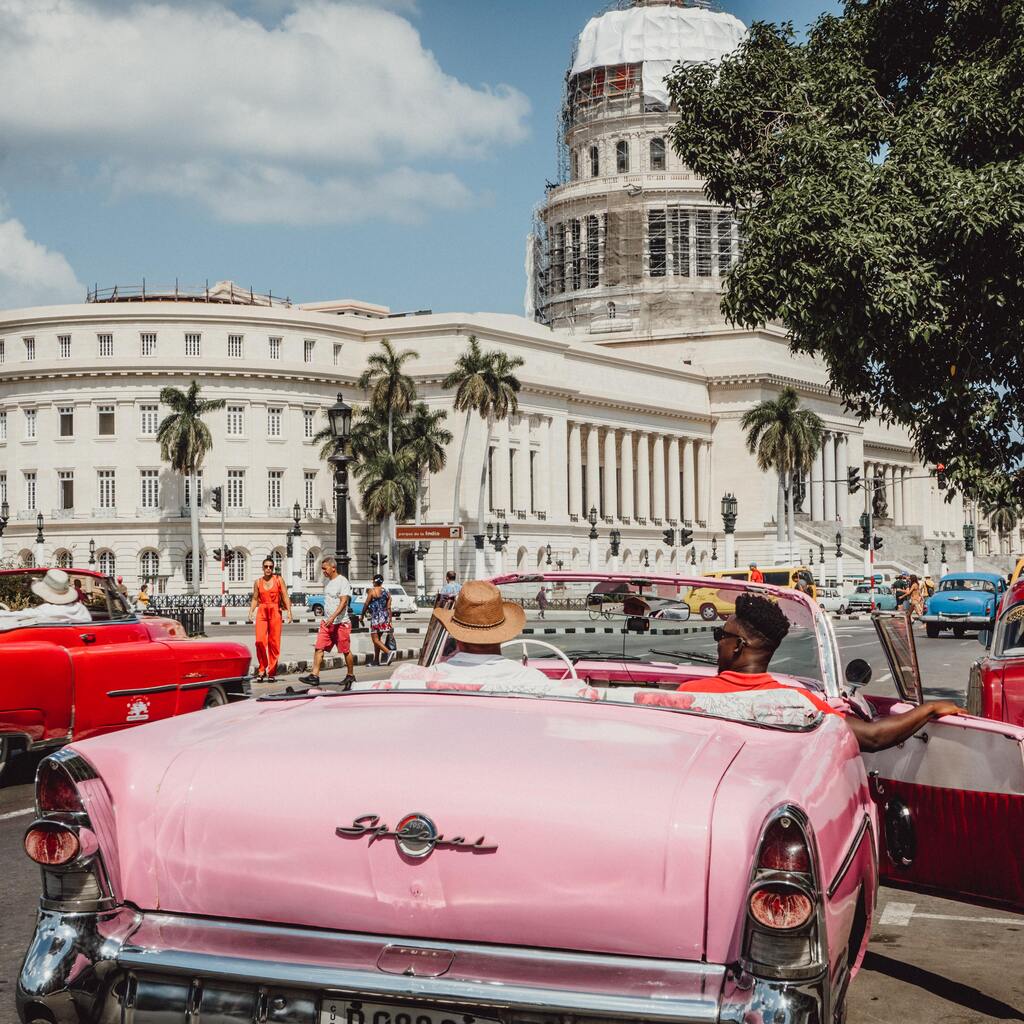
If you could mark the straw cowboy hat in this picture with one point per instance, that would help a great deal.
(55, 588)
(480, 616)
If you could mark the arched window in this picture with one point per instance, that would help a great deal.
(62, 559)
(149, 566)
(657, 154)
(312, 565)
(278, 556)
(238, 566)
(575, 165)
(188, 567)
(106, 562)
(593, 250)
(611, 310)
(27, 559)
(622, 156)
(595, 162)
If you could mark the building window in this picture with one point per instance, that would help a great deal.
(656, 242)
(235, 343)
(105, 425)
(337, 355)
(149, 415)
(30, 348)
(66, 482)
(312, 566)
(67, 420)
(3, 426)
(149, 486)
(657, 154)
(192, 344)
(30, 424)
(577, 256)
(309, 491)
(105, 345)
(622, 156)
(277, 556)
(236, 488)
(30, 490)
(64, 346)
(704, 243)
(105, 488)
(724, 242)
(558, 259)
(236, 420)
(679, 224)
(236, 566)
(595, 162)
(63, 559)
(593, 251)
(275, 348)
(188, 489)
(2, 352)
(3, 488)
(188, 567)
(148, 344)
(307, 350)
(575, 165)
(274, 479)
(149, 566)
(107, 563)
(274, 421)
(308, 425)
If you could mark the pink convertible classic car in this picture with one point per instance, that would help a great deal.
(591, 847)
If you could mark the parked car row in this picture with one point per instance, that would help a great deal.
(402, 603)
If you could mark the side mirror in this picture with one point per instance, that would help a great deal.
(985, 638)
(858, 673)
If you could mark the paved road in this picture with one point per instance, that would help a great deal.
(930, 960)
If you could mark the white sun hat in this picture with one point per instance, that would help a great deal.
(55, 588)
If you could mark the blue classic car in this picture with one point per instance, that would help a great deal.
(865, 598)
(964, 600)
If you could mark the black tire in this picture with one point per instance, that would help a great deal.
(318, 611)
(5, 753)
(958, 632)
(931, 629)
(708, 612)
(215, 697)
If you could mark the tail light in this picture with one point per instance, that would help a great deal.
(51, 844)
(56, 790)
(784, 847)
(778, 907)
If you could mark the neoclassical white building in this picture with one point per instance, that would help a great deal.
(633, 385)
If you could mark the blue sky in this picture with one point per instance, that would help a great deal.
(262, 157)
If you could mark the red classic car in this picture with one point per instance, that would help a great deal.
(92, 665)
(996, 686)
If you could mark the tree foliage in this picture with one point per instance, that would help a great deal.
(877, 170)
(184, 438)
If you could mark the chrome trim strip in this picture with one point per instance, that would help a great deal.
(847, 861)
(142, 689)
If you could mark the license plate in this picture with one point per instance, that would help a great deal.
(355, 1011)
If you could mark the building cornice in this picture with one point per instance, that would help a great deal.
(769, 378)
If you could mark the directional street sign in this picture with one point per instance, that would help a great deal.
(430, 531)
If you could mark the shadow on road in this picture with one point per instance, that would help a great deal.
(952, 991)
(21, 770)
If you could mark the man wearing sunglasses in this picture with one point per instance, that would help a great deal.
(746, 644)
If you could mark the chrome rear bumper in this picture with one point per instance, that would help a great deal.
(123, 967)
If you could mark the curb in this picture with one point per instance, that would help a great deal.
(287, 668)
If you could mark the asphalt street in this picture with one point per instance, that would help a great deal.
(929, 960)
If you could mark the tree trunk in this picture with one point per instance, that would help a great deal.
(792, 519)
(458, 489)
(194, 512)
(483, 478)
(780, 512)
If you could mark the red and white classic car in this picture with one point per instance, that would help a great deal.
(591, 847)
(101, 667)
(996, 685)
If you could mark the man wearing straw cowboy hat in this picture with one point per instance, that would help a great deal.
(479, 623)
(59, 603)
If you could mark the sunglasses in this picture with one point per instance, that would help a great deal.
(720, 633)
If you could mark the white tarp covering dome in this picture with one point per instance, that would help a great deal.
(658, 38)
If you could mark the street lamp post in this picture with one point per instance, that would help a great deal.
(943, 564)
(592, 553)
(714, 553)
(821, 565)
(340, 418)
(92, 551)
(927, 570)
(296, 580)
(693, 557)
(547, 553)
(497, 536)
(5, 515)
(39, 540)
(839, 561)
(730, 511)
(969, 547)
(615, 539)
(647, 559)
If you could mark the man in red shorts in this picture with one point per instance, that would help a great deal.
(335, 628)
(746, 644)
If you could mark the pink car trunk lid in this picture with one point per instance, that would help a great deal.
(585, 827)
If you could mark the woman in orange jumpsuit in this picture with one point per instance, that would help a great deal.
(269, 596)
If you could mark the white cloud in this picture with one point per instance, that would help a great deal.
(338, 100)
(31, 274)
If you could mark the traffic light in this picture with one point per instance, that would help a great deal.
(669, 537)
(228, 555)
(685, 537)
(879, 543)
(865, 532)
(940, 475)
(216, 498)
(853, 480)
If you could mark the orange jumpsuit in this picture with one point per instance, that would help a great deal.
(268, 625)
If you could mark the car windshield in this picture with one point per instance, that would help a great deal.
(633, 640)
(18, 601)
(397, 590)
(1010, 642)
(980, 586)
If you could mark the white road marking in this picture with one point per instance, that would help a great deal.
(17, 814)
(897, 915)
(975, 920)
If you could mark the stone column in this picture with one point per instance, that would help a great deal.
(703, 459)
(897, 496)
(817, 487)
(521, 477)
(575, 469)
(842, 488)
(658, 458)
(592, 499)
(611, 481)
(542, 477)
(689, 481)
(627, 508)
(830, 476)
(643, 478)
(500, 468)
(673, 480)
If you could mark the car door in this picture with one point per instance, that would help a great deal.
(950, 798)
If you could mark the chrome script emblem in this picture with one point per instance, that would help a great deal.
(415, 835)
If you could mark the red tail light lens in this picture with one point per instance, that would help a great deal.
(780, 908)
(785, 848)
(55, 791)
(52, 844)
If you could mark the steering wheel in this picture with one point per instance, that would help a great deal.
(570, 667)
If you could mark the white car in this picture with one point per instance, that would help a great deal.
(832, 599)
(401, 602)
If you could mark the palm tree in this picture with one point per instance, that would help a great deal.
(484, 384)
(784, 438)
(387, 485)
(184, 442)
(425, 441)
(390, 389)
(1003, 517)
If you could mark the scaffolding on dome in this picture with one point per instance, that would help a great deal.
(226, 292)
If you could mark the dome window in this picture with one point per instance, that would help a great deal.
(622, 157)
(595, 162)
(657, 154)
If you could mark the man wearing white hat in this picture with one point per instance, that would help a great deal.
(59, 603)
